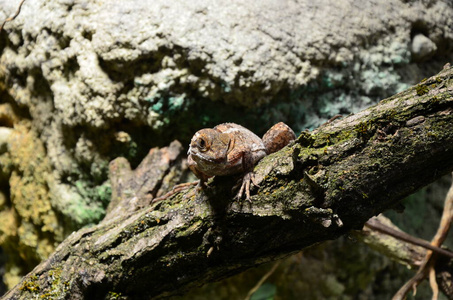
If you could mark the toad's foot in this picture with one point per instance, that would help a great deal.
(245, 186)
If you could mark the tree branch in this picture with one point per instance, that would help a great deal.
(328, 182)
(427, 267)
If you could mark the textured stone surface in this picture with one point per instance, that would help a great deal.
(422, 47)
(98, 79)
(102, 61)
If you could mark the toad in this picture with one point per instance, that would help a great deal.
(229, 149)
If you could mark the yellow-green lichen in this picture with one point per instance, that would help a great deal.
(32, 229)
(31, 285)
(54, 288)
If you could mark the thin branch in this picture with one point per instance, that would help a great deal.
(13, 17)
(262, 280)
(427, 267)
(433, 283)
(375, 224)
(446, 219)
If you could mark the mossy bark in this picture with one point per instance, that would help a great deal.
(326, 183)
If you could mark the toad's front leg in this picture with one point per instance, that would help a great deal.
(248, 178)
(248, 161)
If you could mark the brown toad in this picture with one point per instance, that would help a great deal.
(229, 149)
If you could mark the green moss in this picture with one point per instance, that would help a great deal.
(364, 129)
(421, 89)
(103, 193)
(115, 296)
(88, 205)
(83, 212)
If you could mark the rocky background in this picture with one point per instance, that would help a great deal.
(85, 81)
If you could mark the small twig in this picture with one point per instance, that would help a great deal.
(433, 283)
(333, 119)
(374, 224)
(262, 280)
(13, 17)
(446, 219)
(427, 267)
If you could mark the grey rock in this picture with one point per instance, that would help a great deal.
(105, 60)
(422, 47)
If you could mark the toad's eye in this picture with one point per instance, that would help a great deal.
(202, 144)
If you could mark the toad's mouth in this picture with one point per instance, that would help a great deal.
(197, 156)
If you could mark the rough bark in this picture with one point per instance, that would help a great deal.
(328, 182)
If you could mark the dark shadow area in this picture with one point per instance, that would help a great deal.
(3, 289)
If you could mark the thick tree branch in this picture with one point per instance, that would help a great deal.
(328, 182)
